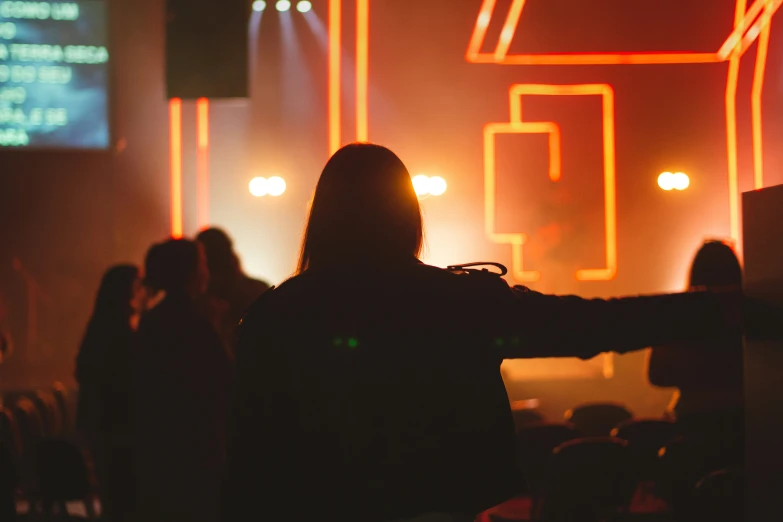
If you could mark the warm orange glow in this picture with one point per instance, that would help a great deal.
(755, 106)
(731, 127)
(362, 67)
(202, 162)
(509, 29)
(516, 125)
(335, 71)
(175, 147)
(743, 27)
(480, 30)
(750, 25)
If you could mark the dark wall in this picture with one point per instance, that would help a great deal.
(68, 215)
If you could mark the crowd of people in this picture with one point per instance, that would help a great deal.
(332, 398)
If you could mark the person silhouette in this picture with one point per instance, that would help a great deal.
(233, 290)
(182, 381)
(105, 411)
(709, 375)
(370, 382)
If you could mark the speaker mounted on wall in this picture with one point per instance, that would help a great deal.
(207, 48)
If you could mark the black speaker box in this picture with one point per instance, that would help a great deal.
(207, 48)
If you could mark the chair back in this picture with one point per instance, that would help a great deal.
(720, 497)
(645, 439)
(9, 431)
(31, 428)
(535, 444)
(60, 394)
(9, 480)
(590, 479)
(61, 472)
(597, 419)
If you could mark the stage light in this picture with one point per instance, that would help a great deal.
(259, 187)
(429, 186)
(276, 186)
(421, 184)
(665, 181)
(259, 5)
(680, 181)
(283, 5)
(304, 6)
(437, 186)
(676, 181)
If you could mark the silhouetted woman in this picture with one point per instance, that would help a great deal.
(228, 284)
(182, 383)
(369, 384)
(105, 406)
(709, 374)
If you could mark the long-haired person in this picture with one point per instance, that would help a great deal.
(708, 374)
(182, 383)
(105, 405)
(369, 384)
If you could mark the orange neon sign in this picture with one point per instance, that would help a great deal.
(517, 125)
(751, 25)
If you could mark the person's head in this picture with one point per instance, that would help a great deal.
(177, 266)
(715, 265)
(118, 292)
(222, 260)
(364, 207)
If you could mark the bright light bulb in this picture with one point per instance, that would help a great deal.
(259, 5)
(304, 6)
(421, 184)
(665, 181)
(259, 187)
(680, 181)
(437, 186)
(283, 5)
(276, 186)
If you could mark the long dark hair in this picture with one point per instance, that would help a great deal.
(115, 293)
(715, 265)
(364, 207)
(171, 265)
(110, 319)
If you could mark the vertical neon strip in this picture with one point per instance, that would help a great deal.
(362, 67)
(175, 150)
(731, 127)
(335, 38)
(202, 161)
(755, 104)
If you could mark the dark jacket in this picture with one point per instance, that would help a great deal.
(182, 383)
(372, 393)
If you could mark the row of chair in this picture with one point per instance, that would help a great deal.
(595, 476)
(43, 463)
(591, 419)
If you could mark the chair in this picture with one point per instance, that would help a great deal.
(62, 476)
(683, 463)
(524, 417)
(535, 444)
(9, 431)
(645, 439)
(720, 497)
(9, 480)
(30, 424)
(591, 479)
(597, 419)
(50, 415)
(60, 394)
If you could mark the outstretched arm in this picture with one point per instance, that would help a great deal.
(553, 326)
